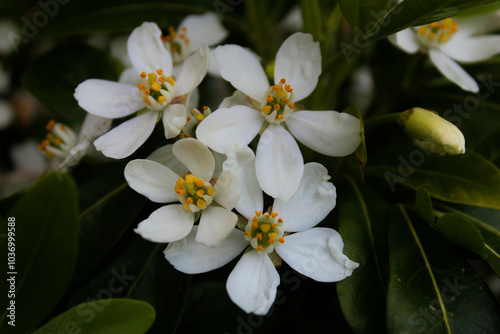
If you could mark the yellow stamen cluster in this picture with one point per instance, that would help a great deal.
(264, 231)
(440, 32)
(194, 118)
(177, 43)
(278, 102)
(59, 141)
(157, 89)
(194, 193)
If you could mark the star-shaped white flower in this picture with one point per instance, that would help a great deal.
(453, 40)
(196, 189)
(65, 147)
(314, 252)
(279, 161)
(155, 95)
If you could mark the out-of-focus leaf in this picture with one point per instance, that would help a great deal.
(138, 269)
(461, 231)
(363, 224)
(361, 154)
(53, 77)
(45, 238)
(466, 179)
(431, 288)
(111, 316)
(360, 12)
(424, 205)
(488, 147)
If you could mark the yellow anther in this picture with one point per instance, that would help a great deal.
(143, 75)
(264, 227)
(146, 91)
(431, 35)
(285, 101)
(199, 182)
(269, 98)
(159, 71)
(162, 99)
(274, 225)
(58, 141)
(186, 206)
(292, 105)
(267, 215)
(266, 109)
(274, 214)
(422, 30)
(260, 248)
(205, 108)
(50, 125)
(259, 236)
(201, 204)
(282, 240)
(49, 154)
(289, 88)
(141, 86)
(62, 127)
(280, 220)
(210, 191)
(188, 118)
(170, 81)
(161, 79)
(280, 117)
(152, 77)
(248, 234)
(255, 219)
(275, 87)
(276, 106)
(182, 135)
(255, 225)
(184, 29)
(200, 193)
(258, 213)
(434, 25)
(444, 38)
(156, 86)
(189, 178)
(146, 100)
(283, 80)
(193, 111)
(186, 40)
(272, 235)
(200, 117)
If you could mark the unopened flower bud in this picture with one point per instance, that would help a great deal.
(430, 131)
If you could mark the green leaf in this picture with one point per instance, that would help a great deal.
(487, 221)
(137, 269)
(424, 205)
(360, 12)
(111, 316)
(46, 239)
(415, 13)
(53, 77)
(432, 289)
(448, 178)
(461, 231)
(361, 154)
(488, 146)
(363, 226)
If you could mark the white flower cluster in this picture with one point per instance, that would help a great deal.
(214, 183)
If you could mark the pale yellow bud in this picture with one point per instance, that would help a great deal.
(430, 131)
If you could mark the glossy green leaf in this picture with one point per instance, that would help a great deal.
(360, 12)
(46, 243)
(361, 154)
(111, 316)
(363, 226)
(466, 179)
(487, 221)
(137, 269)
(53, 77)
(431, 288)
(415, 13)
(424, 205)
(461, 231)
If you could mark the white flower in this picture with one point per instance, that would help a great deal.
(197, 191)
(10, 33)
(155, 94)
(451, 40)
(279, 160)
(6, 114)
(65, 147)
(314, 252)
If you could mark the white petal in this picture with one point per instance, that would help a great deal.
(127, 137)
(477, 24)
(204, 29)
(454, 72)
(317, 253)
(226, 128)
(311, 203)
(327, 132)
(93, 126)
(472, 49)
(279, 164)
(168, 223)
(193, 70)
(164, 156)
(299, 61)
(196, 157)
(118, 49)
(253, 282)
(241, 161)
(130, 77)
(242, 69)
(216, 224)
(193, 100)
(152, 179)
(107, 98)
(6, 114)
(146, 50)
(238, 98)
(227, 190)
(213, 66)
(219, 160)
(192, 257)
(406, 40)
(174, 119)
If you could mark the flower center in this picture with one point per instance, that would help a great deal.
(177, 43)
(193, 120)
(157, 90)
(278, 103)
(438, 32)
(264, 231)
(194, 193)
(59, 141)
